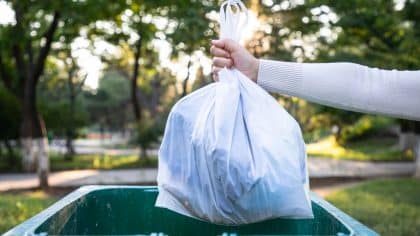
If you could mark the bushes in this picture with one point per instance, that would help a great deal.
(148, 132)
(364, 126)
(373, 149)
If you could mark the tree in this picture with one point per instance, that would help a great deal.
(108, 105)
(148, 132)
(10, 114)
(193, 32)
(154, 95)
(38, 25)
(140, 31)
(74, 84)
(21, 75)
(378, 33)
(374, 33)
(385, 35)
(182, 23)
(62, 83)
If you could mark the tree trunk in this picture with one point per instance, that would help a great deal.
(185, 82)
(33, 134)
(406, 140)
(134, 96)
(143, 153)
(36, 157)
(29, 70)
(70, 126)
(43, 162)
(156, 95)
(11, 158)
(28, 157)
(30, 127)
(417, 157)
(409, 139)
(417, 149)
(70, 148)
(407, 136)
(102, 132)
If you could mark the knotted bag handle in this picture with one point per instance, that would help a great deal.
(233, 18)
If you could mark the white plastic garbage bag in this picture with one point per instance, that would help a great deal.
(230, 153)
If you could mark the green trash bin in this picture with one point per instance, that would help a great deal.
(129, 210)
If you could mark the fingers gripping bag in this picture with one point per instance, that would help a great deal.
(230, 153)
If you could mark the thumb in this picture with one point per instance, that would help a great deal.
(227, 44)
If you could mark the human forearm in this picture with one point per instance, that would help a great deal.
(346, 85)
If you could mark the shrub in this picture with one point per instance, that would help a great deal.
(363, 127)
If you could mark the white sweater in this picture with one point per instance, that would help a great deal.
(346, 85)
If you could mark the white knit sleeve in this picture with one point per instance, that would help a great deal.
(346, 85)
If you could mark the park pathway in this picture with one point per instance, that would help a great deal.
(318, 168)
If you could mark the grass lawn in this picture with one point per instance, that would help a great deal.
(373, 149)
(391, 207)
(16, 208)
(87, 161)
(99, 161)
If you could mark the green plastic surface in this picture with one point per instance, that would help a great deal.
(129, 210)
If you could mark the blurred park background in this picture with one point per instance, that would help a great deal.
(86, 86)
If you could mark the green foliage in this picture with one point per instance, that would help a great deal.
(193, 28)
(391, 207)
(6, 165)
(316, 135)
(363, 127)
(372, 149)
(338, 117)
(108, 104)
(10, 115)
(100, 161)
(148, 132)
(87, 161)
(55, 106)
(57, 117)
(16, 208)
(201, 80)
(377, 34)
(33, 20)
(113, 90)
(372, 33)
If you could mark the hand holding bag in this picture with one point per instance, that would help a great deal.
(230, 153)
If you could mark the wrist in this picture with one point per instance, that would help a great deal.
(281, 77)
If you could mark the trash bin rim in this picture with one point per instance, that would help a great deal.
(29, 226)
